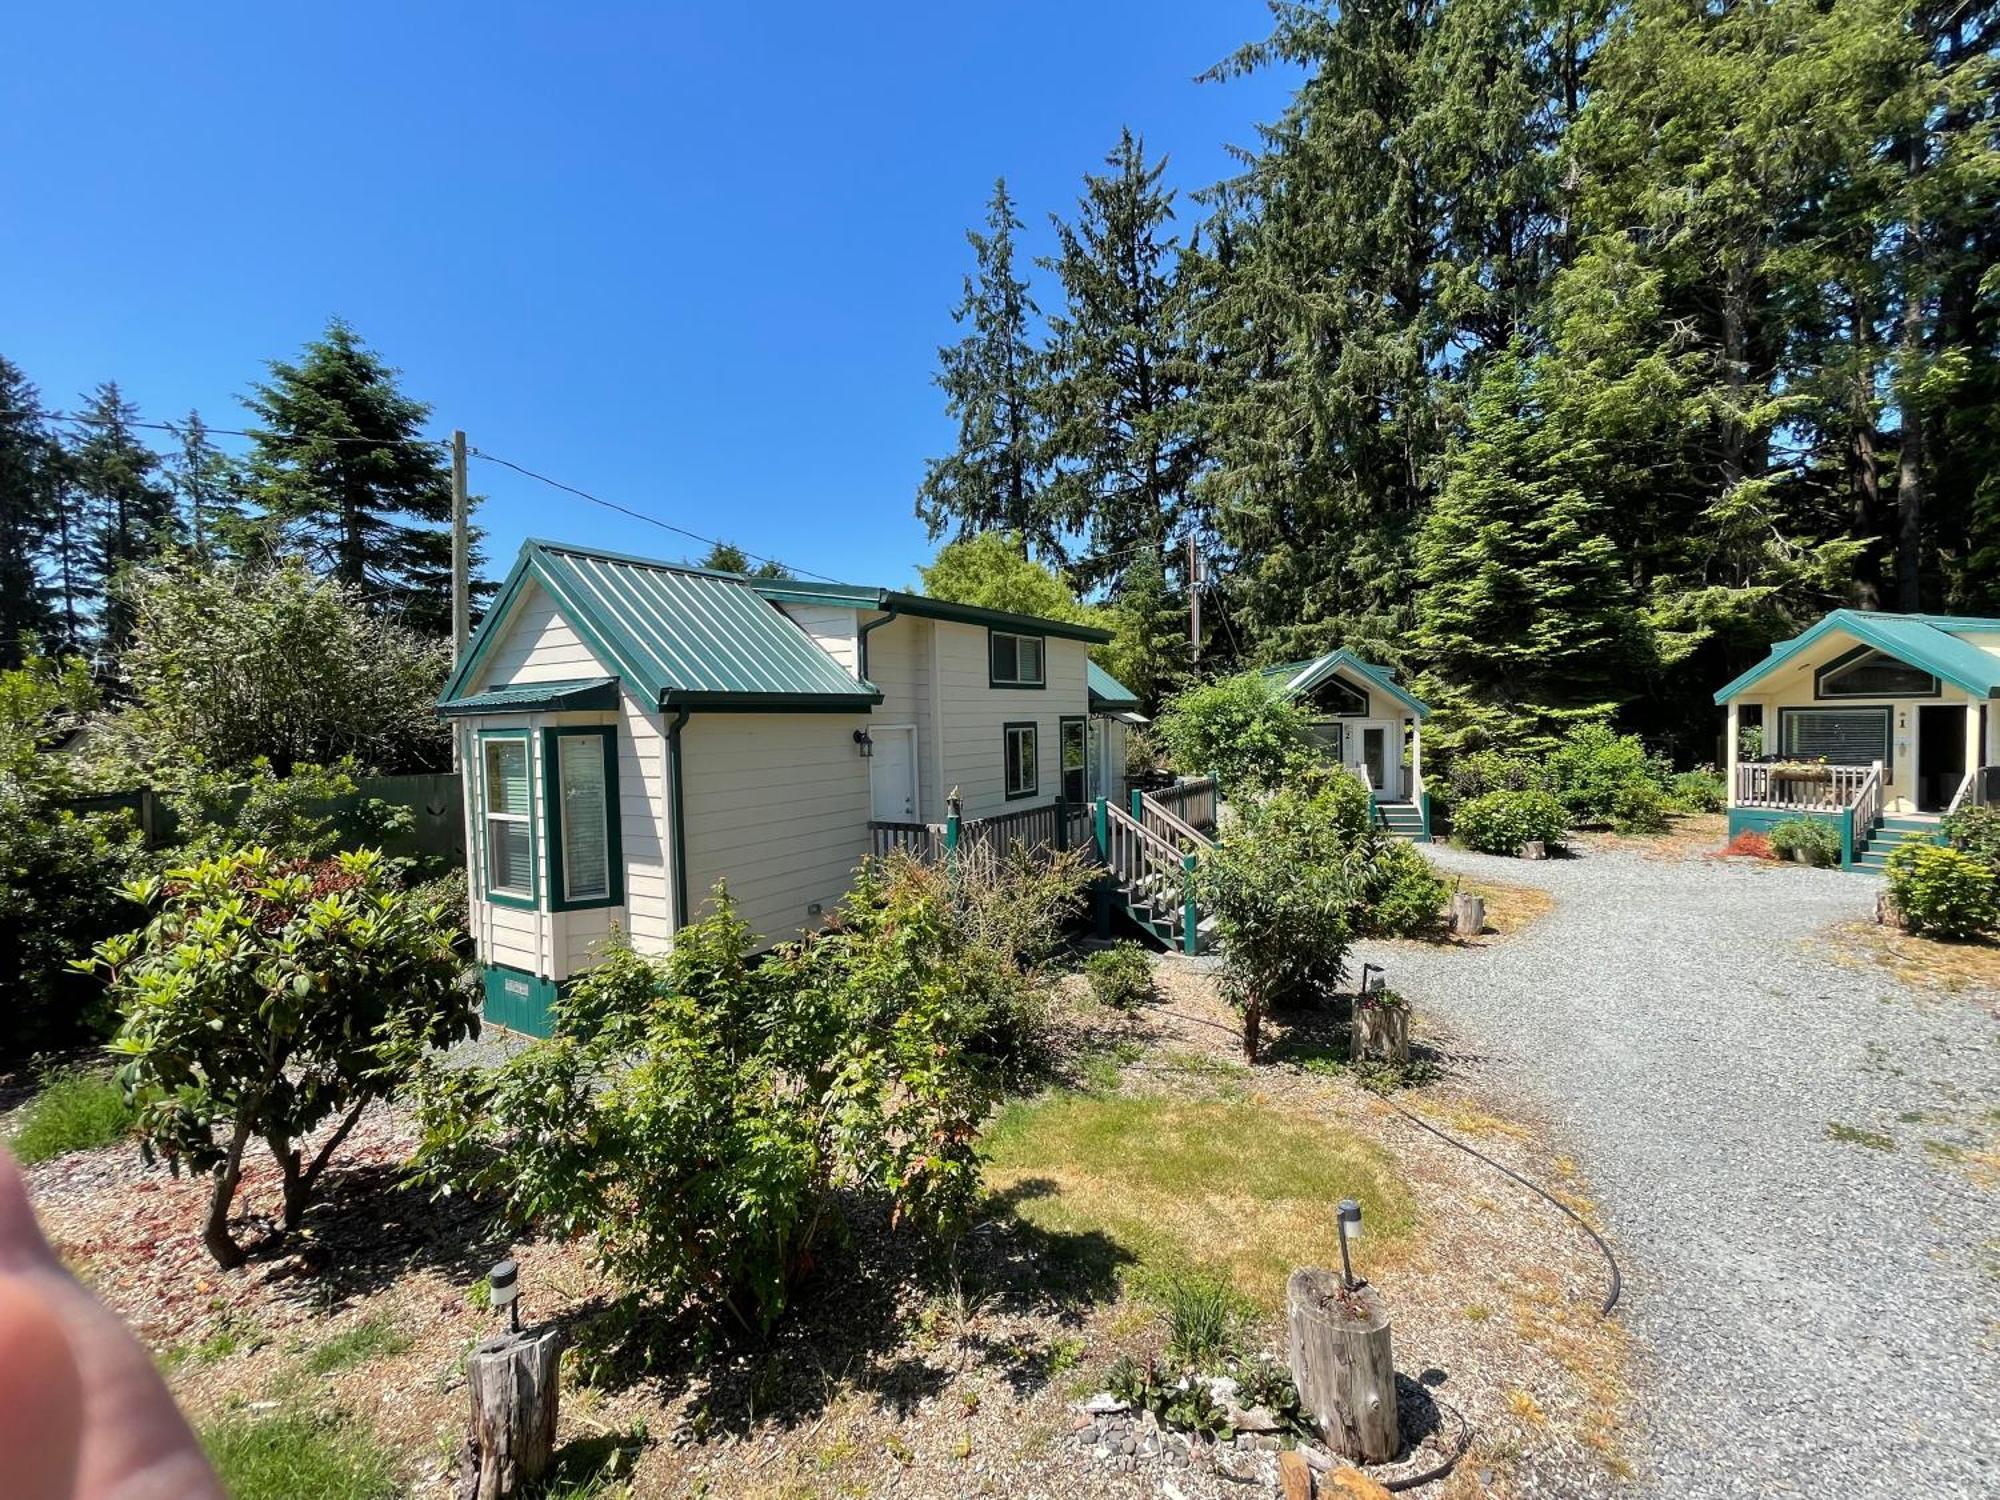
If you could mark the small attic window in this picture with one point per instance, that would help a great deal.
(1872, 674)
(1340, 698)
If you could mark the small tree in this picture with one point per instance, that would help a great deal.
(1237, 728)
(267, 997)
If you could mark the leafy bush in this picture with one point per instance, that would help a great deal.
(1639, 807)
(1501, 822)
(74, 1109)
(1019, 905)
(1698, 792)
(1121, 976)
(1204, 1319)
(1976, 830)
(696, 1116)
(1818, 841)
(1238, 729)
(1475, 773)
(267, 996)
(289, 813)
(1945, 892)
(1593, 764)
(1402, 893)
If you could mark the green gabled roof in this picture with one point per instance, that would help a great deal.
(859, 596)
(679, 637)
(539, 697)
(1296, 677)
(1107, 691)
(1930, 643)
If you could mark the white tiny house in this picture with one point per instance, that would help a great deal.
(634, 732)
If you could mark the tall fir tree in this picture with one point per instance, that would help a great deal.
(1124, 425)
(209, 484)
(727, 557)
(29, 474)
(339, 461)
(121, 502)
(994, 480)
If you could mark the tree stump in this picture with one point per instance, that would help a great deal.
(514, 1384)
(1534, 849)
(1381, 1031)
(1342, 1364)
(1468, 914)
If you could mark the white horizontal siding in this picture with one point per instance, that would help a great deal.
(776, 805)
(832, 629)
(899, 663)
(538, 645)
(975, 713)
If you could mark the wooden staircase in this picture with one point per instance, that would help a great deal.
(1150, 857)
(1890, 834)
(1404, 820)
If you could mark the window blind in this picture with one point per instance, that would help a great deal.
(585, 818)
(1842, 737)
(510, 839)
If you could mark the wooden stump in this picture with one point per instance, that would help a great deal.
(1468, 914)
(1342, 1364)
(1534, 849)
(1381, 1031)
(514, 1383)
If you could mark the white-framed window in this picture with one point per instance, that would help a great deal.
(507, 802)
(1015, 659)
(1839, 736)
(1873, 674)
(1022, 754)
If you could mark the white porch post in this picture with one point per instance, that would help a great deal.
(1416, 758)
(1730, 739)
(1973, 758)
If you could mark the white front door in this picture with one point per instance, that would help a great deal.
(1374, 749)
(892, 774)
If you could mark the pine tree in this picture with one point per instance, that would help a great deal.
(1150, 654)
(120, 502)
(338, 460)
(28, 478)
(209, 485)
(1525, 618)
(727, 557)
(994, 479)
(1124, 429)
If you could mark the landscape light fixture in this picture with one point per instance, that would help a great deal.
(1350, 1229)
(864, 743)
(505, 1284)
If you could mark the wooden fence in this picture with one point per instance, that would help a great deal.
(980, 844)
(1193, 801)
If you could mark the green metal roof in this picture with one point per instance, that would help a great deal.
(1931, 643)
(1296, 677)
(858, 596)
(679, 637)
(1107, 691)
(539, 697)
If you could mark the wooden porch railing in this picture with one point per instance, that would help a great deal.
(1153, 871)
(1808, 788)
(1959, 797)
(1868, 804)
(1164, 823)
(980, 843)
(923, 841)
(1193, 801)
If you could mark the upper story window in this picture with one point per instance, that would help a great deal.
(1870, 674)
(508, 811)
(1015, 660)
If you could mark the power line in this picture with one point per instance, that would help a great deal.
(180, 429)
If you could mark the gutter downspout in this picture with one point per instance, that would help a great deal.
(676, 823)
(861, 640)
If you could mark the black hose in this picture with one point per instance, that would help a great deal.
(1432, 1475)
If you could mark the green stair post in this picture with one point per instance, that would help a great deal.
(1190, 915)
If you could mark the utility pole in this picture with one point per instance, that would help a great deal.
(461, 584)
(1194, 601)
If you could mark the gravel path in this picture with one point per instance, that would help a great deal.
(1823, 1314)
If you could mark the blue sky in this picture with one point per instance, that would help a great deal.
(696, 259)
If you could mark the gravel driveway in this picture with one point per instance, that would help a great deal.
(1823, 1314)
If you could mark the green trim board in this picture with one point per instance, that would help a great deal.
(856, 596)
(1297, 677)
(532, 900)
(1847, 660)
(1081, 724)
(1764, 819)
(606, 736)
(676, 816)
(994, 636)
(1930, 642)
(518, 1000)
(1033, 762)
(580, 695)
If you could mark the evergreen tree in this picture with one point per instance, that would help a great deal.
(1150, 654)
(120, 502)
(1124, 433)
(727, 557)
(1525, 617)
(28, 478)
(994, 479)
(209, 485)
(338, 460)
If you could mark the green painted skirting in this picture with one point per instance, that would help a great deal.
(1764, 819)
(517, 1000)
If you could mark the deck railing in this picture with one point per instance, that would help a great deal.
(1164, 822)
(1806, 788)
(923, 841)
(1868, 804)
(1153, 870)
(1963, 795)
(979, 844)
(1193, 801)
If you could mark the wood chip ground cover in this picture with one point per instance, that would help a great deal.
(895, 1379)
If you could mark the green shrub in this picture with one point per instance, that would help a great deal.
(1698, 792)
(1976, 830)
(1501, 822)
(1816, 839)
(1402, 894)
(1238, 729)
(1475, 773)
(1022, 902)
(1205, 1317)
(1639, 807)
(75, 1109)
(267, 997)
(698, 1118)
(1121, 976)
(1593, 764)
(1941, 891)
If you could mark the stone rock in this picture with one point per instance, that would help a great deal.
(1105, 1404)
(1253, 1419)
(1348, 1483)
(1222, 1388)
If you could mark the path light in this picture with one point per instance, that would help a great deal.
(505, 1284)
(1350, 1229)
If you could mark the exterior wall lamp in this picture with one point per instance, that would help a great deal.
(863, 743)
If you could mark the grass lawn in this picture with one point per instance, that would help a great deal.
(76, 1109)
(288, 1455)
(1226, 1186)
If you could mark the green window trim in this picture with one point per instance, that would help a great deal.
(1788, 716)
(530, 900)
(994, 636)
(1081, 724)
(1031, 758)
(606, 737)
